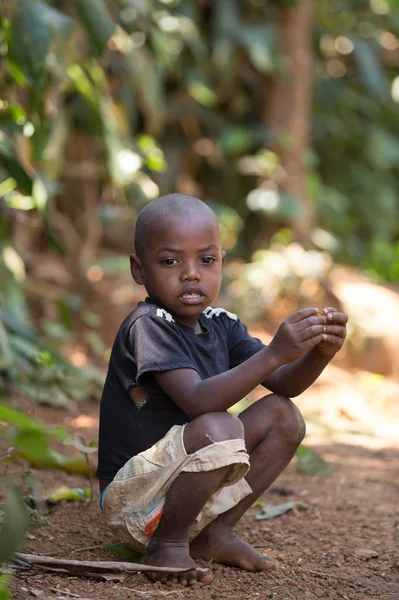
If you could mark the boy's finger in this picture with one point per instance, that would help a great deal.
(337, 317)
(334, 340)
(299, 315)
(309, 322)
(311, 342)
(311, 332)
(329, 309)
(336, 330)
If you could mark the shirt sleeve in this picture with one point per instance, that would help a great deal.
(241, 344)
(156, 346)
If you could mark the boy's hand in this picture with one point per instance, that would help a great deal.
(335, 334)
(299, 333)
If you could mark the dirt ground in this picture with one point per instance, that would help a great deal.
(344, 546)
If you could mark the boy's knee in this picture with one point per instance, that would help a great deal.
(211, 427)
(289, 420)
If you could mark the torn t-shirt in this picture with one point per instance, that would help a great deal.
(150, 340)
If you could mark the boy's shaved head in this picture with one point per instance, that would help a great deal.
(164, 210)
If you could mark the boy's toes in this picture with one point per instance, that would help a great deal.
(191, 577)
(172, 578)
(156, 576)
(182, 578)
(270, 563)
(206, 577)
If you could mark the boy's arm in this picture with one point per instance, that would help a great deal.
(292, 379)
(196, 396)
(295, 336)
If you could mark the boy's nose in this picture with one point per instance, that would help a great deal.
(191, 272)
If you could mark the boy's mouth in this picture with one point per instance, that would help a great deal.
(192, 295)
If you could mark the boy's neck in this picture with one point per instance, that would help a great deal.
(192, 322)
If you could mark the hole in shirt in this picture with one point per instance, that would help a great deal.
(139, 396)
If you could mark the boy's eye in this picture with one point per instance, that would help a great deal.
(207, 260)
(169, 262)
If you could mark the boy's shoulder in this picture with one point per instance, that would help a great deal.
(146, 310)
(213, 313)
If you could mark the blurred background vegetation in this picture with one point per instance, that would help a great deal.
(283, 115)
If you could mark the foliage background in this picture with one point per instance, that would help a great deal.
(283, 115)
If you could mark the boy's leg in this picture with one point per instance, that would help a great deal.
(186, 497)
(274, 428)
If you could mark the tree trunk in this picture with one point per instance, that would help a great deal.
(288, 106)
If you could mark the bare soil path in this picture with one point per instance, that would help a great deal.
(345, 546)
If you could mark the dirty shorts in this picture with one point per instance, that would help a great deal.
(133, 502)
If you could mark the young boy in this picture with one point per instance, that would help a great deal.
(173, 463)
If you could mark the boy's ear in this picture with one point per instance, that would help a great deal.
(136, 269)
(223, 257)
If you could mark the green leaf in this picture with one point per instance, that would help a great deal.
(383, 148)
(4, 591)
(30, 350)
(370, 68)
(6, 354)
(123, 551)
(54, 460)
(260, 42)
(15, 523)
(63, 492)
(56, 20)
(17, 325)
(97, 21)
(236, 139)
(13, 167)
(30, 39)
(34, 442)
(18, 418)
(12, 118)
(310, 463)
(147, 83)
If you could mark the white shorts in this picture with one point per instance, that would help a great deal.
(133, 502)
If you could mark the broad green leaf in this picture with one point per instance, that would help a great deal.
(13, 167)
(26, 426)
(147, 84)
(26, 347)
(383, 148)
(63, 492)
(18, 419)
(237, 139)
(4, 591)
(54, 460)
(17, 326)
(97, 21)
(12, 118)
(30, 39)
(15, 523)
(260, 42)
(370, 67)
(310, 463)
(6, 354)
(123, 551)
(34, 442)
(14, 303)
(202, 93)
(53, 156)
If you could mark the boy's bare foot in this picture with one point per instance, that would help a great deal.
(220, 543)
(173, 553)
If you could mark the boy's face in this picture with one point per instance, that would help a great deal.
(182, 266)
